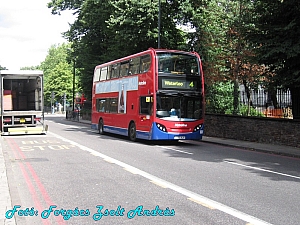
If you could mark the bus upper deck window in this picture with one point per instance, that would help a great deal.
(108, 76)
(124, 69)
(134, 66)
(115, 71)
(145, 63)
(97, 75)
(103, 73)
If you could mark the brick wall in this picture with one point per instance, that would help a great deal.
(263, 130)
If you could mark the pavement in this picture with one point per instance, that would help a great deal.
(5, 199)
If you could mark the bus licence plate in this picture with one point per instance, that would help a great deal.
(179, 137)
(22, 120)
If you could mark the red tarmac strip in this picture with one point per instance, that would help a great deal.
(45, 196)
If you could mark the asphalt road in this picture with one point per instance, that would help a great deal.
(92, 179)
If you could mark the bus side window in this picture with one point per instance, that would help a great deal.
(97, 75)
(101, 105)
(108, 76)
(134, 67)
(103, 73)
(113, 105)
(124, 69)
(146, 105)
(145, 63)
(115, 70)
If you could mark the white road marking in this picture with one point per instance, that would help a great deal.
(201, 203)
(176, 150)
(189, 194)
(93, 131)
(65, 125)
(260, 169)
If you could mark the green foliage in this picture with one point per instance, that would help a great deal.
(58, 74)
(252, 112)
(30, 68)
(211, 20)
(90, 38)
(135, 23)
(219, 98)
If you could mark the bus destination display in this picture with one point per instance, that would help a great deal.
(177, 84)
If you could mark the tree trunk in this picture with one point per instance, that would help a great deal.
(295, 92)
(272, 98)
(235, 97)
(249, 102)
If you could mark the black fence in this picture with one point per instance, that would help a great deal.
(277, 104)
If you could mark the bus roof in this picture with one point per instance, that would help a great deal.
(143, 53)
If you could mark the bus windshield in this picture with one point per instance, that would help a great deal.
(177, 63)
(178, 107)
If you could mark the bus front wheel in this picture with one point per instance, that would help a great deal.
(132, 132)
(101, 125)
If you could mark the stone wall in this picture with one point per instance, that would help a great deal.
(263, 130)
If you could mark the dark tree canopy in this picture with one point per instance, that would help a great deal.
(276, 34)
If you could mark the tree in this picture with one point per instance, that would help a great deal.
(2, 68)
(106, 30)
(219, 38)
(30, 68)
(276, 37)
(135, 23)
(58, 75)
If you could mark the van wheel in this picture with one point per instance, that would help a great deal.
(100, 126)
(132, 132)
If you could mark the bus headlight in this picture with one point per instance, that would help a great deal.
(197, 128)
(161, 127)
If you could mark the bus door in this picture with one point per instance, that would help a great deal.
(144, 122)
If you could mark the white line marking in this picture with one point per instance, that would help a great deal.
(268, 171)
(158, 184)
(176, 150)
(131, 171)
(94, 131)
(226, 209)
(201, 203)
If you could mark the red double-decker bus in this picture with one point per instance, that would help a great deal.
(157, 94)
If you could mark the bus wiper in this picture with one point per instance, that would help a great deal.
(168, 93)
(192, 94)
(180, 94)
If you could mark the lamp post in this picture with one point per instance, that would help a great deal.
(73, 101)
(159, 18)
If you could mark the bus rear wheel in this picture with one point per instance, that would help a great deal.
(132, 132)
(100, 127)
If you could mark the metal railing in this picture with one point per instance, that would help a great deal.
(220, 99)
(275, 105)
